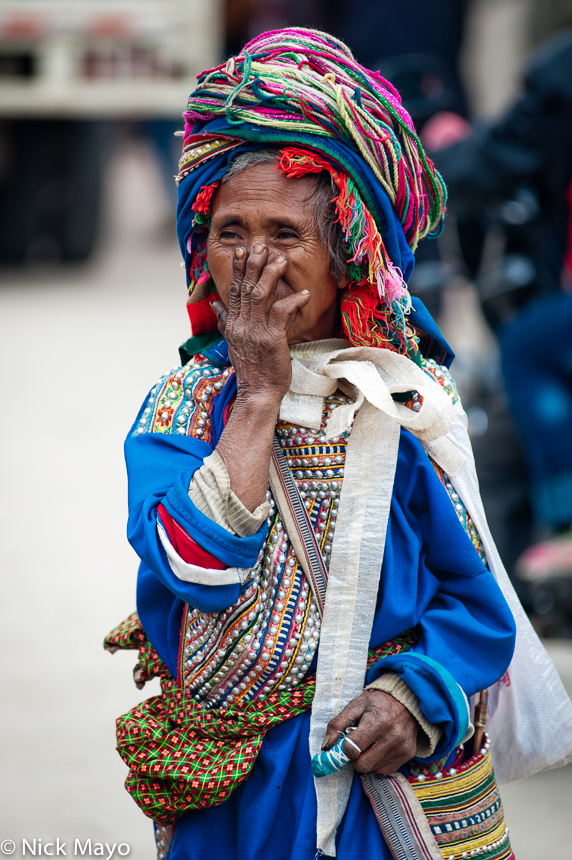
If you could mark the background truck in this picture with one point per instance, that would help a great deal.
(68, 70)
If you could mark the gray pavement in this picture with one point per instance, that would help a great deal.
(78, 351)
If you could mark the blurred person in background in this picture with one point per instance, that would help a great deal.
(303, 192)
(547, 17)
(514, 178)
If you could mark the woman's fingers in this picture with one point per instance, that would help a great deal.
(221, 315)
(386, 753)
(254, 267)
(284, 309)
(382, 761)
(350, 716)
(258, 299)
(386, 732)
(252, 296)
(239, 262)
(254, 281)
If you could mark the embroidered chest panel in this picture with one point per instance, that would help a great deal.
(268, 639)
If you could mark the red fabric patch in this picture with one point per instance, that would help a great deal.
(185, 546)
(201, 315)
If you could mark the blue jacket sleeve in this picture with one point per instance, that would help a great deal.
(160, 466)
(434, 580)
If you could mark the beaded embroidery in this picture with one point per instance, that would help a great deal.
(442, 375)
(182, 401)
(199, 148)
(183, 756)
(464, 809)
(462, 513)
(267, 640)
(163, 837)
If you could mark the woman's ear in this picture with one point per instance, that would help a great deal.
(343, 282)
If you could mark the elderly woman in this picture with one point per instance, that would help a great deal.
(312, 590)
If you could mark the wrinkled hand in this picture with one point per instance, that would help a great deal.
(255, 324)
(386, 733)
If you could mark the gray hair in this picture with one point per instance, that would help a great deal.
(329, 229)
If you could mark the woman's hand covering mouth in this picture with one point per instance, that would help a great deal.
(255, 324)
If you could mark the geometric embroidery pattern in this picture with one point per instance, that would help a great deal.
(182, 401)
(464, 810)
(268, 639)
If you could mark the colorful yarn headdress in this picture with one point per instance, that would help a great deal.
(303, 92)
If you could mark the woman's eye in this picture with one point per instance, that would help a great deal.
(287, 234)
(228, 234)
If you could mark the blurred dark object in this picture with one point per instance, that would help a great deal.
(536, 352)
(546, 568)
(547, 17)
(501, 467)
(515, 173)
(425, 73)
(381, 29)
(429, 277)
(551, 608)
(167, 147)
(245, 19)
(18, 64)
(509, 186)
(238, 15)
(50, 189)
(425, 83)
(428, 89)
(507, 280)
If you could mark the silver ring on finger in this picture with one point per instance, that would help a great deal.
(353, 743)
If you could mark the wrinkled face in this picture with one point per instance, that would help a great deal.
(261, 205)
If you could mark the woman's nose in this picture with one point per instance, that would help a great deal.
(259, 239)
